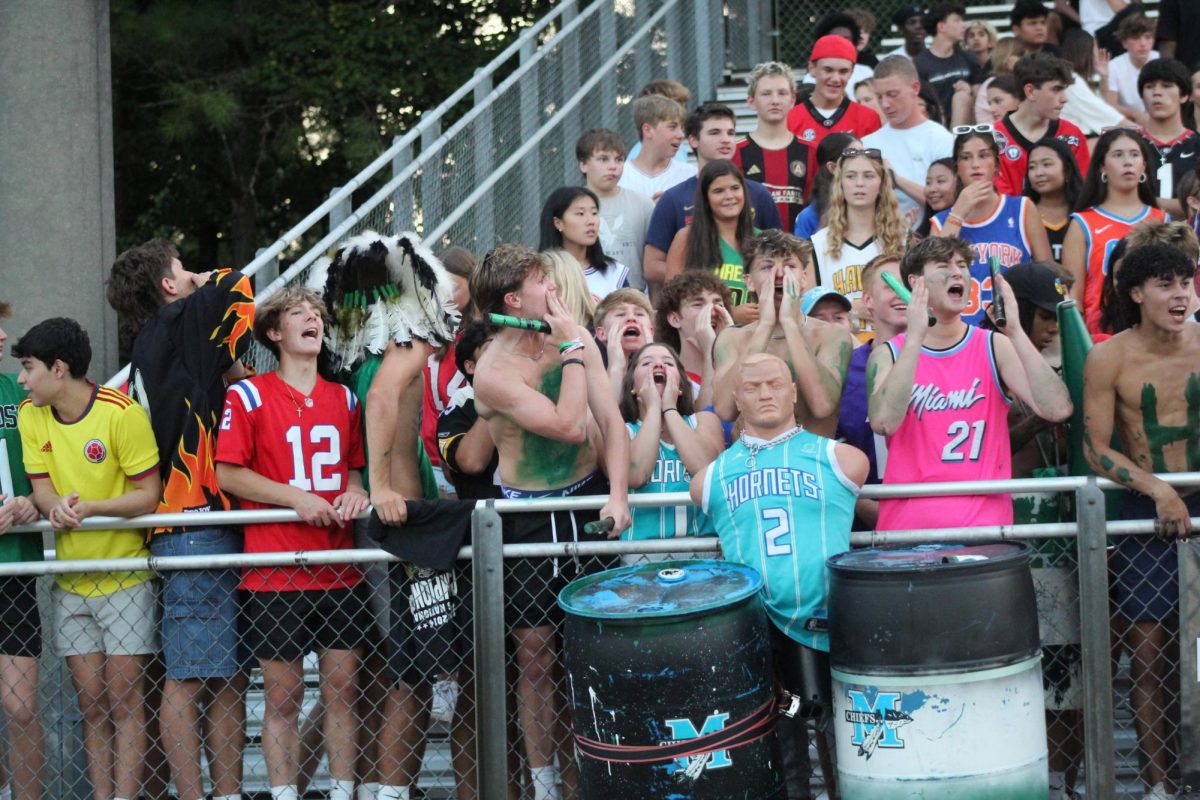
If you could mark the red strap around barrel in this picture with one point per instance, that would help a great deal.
(759, 723)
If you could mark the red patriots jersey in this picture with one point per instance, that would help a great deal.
(1014, 152)
(811, 126)
(311, 443)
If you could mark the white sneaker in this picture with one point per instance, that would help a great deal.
(1158, 792)
(445, 698)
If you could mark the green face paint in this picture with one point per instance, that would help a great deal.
(1158, 436)
(544, 460)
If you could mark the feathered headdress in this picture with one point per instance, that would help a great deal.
(382, 290)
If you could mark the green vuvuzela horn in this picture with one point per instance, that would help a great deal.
(507, 321)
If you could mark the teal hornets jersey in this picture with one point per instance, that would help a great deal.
(669, 475)
(783, 512)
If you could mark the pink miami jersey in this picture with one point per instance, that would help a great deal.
(955, 429)
(1001, 234)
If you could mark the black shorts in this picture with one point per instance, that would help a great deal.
(431, 634)
(284, 626)
(20, 622)
(531, 585)
(804, 671)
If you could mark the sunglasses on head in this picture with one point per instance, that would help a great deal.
(869, 152)
(960, 130)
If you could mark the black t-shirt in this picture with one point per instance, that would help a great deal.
(458, 418)
(179, 361)
(943, 73)
(1175, 19)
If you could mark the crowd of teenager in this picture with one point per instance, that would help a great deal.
(767, 321)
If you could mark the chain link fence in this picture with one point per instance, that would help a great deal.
(481, 705)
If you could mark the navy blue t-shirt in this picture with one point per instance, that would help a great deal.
(675, 208)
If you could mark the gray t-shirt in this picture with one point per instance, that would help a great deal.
(624, 219)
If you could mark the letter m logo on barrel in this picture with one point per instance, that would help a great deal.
(875, 721)
(683, 729)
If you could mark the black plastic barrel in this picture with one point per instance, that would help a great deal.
(937, 673)
(671, 683)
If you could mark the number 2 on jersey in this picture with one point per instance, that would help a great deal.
(959, 432)
(321, 459)
(782, 528)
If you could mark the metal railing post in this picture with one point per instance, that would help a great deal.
(754, 32)
(431, 179)
(1099, 758)
(269, 271)
(531, 167)
(402, 198)
(704, 49)
(483, 153)
(608, 86)
(570, 77)
(491, 710)
(338, 214)
(675, 44)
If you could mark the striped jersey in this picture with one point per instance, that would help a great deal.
(783, 507)
(1001, 234)
(955, 429)
(670, 475)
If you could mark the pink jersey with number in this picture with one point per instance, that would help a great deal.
(956, 429)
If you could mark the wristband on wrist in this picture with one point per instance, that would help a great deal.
(672, 408)
(578, 361)
(955, 218)
(569, 344)
(576, 348)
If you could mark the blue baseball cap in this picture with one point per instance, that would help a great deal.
(817, 294)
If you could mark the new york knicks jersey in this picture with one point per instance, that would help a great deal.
(783, 507)
(955, 429)
(1001, 234)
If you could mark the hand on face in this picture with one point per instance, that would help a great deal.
(918, 309)
(562, 326)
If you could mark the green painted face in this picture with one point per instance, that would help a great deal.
(1159, 436)
(543, 460)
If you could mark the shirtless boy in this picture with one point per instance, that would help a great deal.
(555, 423)
(779, 266)
(1144, 383)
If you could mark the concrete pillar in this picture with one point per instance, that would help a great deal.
(57, 233)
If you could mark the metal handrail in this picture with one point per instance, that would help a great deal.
(649, 500)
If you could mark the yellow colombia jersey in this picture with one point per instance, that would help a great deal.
(98, 455)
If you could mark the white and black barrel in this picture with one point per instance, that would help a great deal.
(671, 684)
(937, 681)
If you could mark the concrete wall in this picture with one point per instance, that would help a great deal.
(57, 236)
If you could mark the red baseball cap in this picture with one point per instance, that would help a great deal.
(833, 46)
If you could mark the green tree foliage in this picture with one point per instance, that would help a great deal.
(234, 118)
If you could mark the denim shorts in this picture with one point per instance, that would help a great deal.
(200, 607)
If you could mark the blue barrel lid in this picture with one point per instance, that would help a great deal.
(660, 589)
(927, 556)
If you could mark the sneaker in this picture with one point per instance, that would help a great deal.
(1158, 792)
(445, 698)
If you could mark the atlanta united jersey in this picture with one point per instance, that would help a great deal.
(310, 442)
(669, 475)
(1101, 232)
(784, 171)
(1014, 151)
(811, 126)
(955, 429)
(1001, 234)
(783, 507)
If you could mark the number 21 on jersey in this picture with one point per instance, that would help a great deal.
(966, 441)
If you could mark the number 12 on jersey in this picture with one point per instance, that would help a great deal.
(328, 457)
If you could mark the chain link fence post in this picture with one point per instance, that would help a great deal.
(402, 198)
(1189, 668)
(487, 557)
(483, 154)
(1099, 758)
